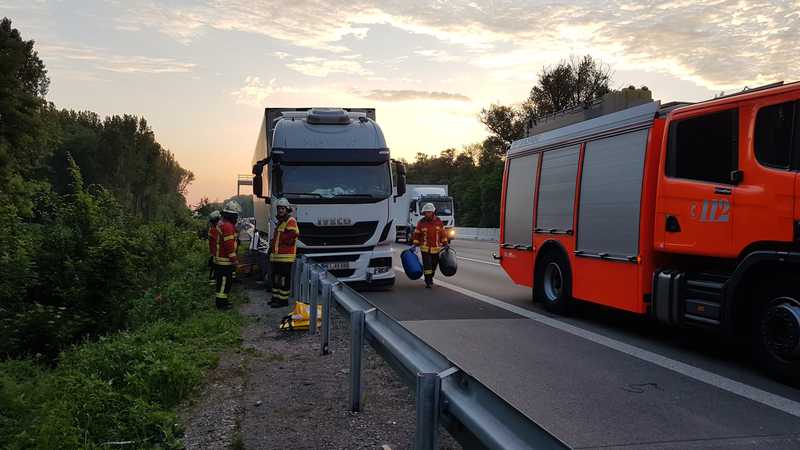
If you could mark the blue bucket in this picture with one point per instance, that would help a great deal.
(411, 264)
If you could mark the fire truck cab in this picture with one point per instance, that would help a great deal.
(688, 213)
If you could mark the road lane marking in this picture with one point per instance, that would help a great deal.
(473, 260)
(478, 261)
(755, 394)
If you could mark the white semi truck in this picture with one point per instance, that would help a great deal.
(334, 167)
(407, 209)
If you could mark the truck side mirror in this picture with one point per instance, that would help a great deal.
(401, 178)
(258, 180)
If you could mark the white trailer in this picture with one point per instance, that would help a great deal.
(333, 166)
(407, 209)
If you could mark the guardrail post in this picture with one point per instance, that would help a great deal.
(313, 300)
(296, 270)
(357, 319)
(427, 433)
(304, 283)
(327, 290)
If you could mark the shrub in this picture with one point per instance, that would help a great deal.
(120, 388)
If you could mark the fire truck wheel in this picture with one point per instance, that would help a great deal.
(776, 333)
(553, 282)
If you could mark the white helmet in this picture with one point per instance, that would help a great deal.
(428, 207)
(232, 208)
(283, 202)
(215, 215)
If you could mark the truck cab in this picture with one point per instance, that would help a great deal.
(333, 166)
(408, 209)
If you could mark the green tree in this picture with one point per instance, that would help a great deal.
(475, 173)
(573, 82)
(24, 137)
(93, 212)
(570, 83)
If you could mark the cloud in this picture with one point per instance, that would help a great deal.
(83, 58)
(255, 92)
(439, 55)
(716, 44)
(144, 64)
(321, 67)
(399, 95)
(313, 24)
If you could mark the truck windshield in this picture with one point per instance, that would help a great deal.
(331, 182)
(443, 207)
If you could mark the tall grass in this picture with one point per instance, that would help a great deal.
(121, 390)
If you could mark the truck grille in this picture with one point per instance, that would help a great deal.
(343, 273)
(356, 234)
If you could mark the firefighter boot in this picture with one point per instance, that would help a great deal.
(279, 303)
(223, 303)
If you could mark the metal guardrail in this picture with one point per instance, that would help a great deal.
(445, 394)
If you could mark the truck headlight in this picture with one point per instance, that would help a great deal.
(451, 232)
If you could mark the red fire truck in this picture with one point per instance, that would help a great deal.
(688, 213)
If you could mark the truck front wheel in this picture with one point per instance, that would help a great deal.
(775, 333)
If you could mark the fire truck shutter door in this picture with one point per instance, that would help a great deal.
(557, 189)
(522, 174)
(611, 187)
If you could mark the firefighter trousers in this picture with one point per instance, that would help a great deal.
(224, 274)
(430, 261)
(212, 276)
(281, 282)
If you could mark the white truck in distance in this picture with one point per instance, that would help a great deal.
(407, 209)
(333, 166)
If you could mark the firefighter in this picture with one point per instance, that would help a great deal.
(283, 252)
(225, 257)
(431, 237)
(213, 221)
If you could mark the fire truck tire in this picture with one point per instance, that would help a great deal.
(775, 331)
(553, 282)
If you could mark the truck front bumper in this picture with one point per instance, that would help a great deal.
(368, 268)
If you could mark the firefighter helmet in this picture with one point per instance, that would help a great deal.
(215, 215)
(428, 207)
(232, 208)
(283, 202)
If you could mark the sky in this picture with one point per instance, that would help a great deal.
(202, 71)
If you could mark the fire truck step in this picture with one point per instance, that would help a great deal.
(688, 298)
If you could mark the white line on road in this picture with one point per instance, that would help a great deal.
(744, 390)
(471, 259)
(477, 261)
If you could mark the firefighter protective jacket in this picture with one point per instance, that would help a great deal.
(430, 235)
(284, 242)
(224, 243)
(212, 238)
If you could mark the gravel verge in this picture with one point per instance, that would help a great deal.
(278, 392)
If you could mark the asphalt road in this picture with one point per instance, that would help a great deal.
(601, 378)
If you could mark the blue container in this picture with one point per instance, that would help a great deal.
(411, 264)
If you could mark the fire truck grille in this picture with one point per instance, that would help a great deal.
(356, 234)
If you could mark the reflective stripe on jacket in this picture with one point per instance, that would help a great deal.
(284, 242)
(430, 235)
(225, 249)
